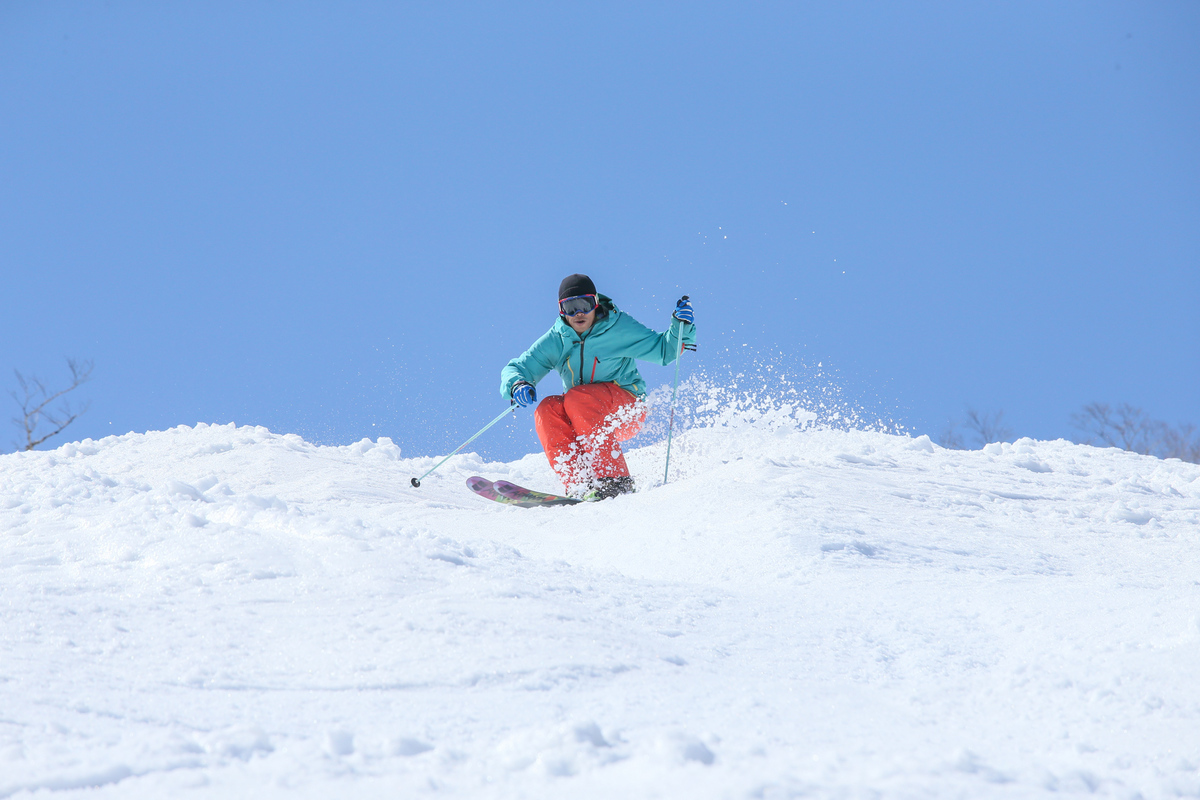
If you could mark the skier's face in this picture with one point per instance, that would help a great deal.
(582, 322)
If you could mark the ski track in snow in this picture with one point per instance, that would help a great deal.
(227, 612)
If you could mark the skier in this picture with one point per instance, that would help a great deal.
(593, 346)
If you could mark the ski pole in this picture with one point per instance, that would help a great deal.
(416, 482)
(674, 386)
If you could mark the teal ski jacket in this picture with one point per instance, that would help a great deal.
(606, 353)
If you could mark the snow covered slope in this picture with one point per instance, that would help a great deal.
(226, 612)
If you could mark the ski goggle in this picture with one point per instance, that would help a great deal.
(580, 304)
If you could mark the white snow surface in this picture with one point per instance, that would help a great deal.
(221, 611)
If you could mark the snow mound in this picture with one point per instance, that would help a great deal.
(799, 610)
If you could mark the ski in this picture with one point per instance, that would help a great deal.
(522, 495)
(513, 495)
(483, 487)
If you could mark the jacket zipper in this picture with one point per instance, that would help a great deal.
(594, 365)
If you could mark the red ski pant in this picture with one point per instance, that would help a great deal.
(581, 431)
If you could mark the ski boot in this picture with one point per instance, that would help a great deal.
(604, 488)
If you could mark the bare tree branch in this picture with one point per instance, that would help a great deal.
(951, 438)
(35, 402)
(1130, 428)
(988, 427)
(1125, 426)
(1181, 443)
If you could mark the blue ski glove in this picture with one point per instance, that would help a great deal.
(523, 394)
(683, 311)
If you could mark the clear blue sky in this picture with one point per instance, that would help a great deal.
(341, 220)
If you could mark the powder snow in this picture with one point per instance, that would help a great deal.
(222, 611)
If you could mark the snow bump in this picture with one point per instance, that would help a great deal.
(224, 611)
